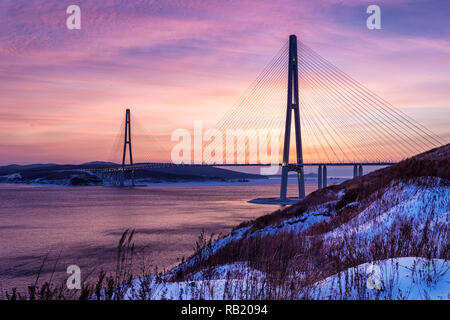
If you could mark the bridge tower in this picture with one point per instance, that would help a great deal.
(292, 105)
(127, 141)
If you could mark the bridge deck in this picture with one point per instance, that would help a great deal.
(171, 165)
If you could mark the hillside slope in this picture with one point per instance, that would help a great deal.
(321, 247)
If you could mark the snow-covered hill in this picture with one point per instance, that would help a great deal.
(396, 219)
(381, 236)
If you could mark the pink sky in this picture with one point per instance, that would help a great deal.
(64, 92)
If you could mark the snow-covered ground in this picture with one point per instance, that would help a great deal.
(420, 201)
(232, 281)
(408, 200)
(408, 278)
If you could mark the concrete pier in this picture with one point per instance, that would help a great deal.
(122, 178)
(319, 177)
(360, 173)
(324, 176)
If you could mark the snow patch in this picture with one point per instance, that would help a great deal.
(409, 278)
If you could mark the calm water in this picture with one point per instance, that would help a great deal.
(83, 225)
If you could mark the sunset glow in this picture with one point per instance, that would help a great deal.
(64, 92)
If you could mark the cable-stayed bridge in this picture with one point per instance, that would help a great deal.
(300, 96)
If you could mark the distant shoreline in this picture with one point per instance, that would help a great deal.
(206, 183)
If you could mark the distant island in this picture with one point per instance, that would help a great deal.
(85, 175)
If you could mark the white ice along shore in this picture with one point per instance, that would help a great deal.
(424, 201)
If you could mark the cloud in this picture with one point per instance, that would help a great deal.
(192, 58)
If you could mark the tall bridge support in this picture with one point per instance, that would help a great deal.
(127, 141)
(324, 176)
(292, 105)
(360, 171)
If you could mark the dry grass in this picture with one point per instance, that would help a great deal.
(433, 163)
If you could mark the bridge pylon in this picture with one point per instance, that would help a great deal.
(127, 141)
(292, 105)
